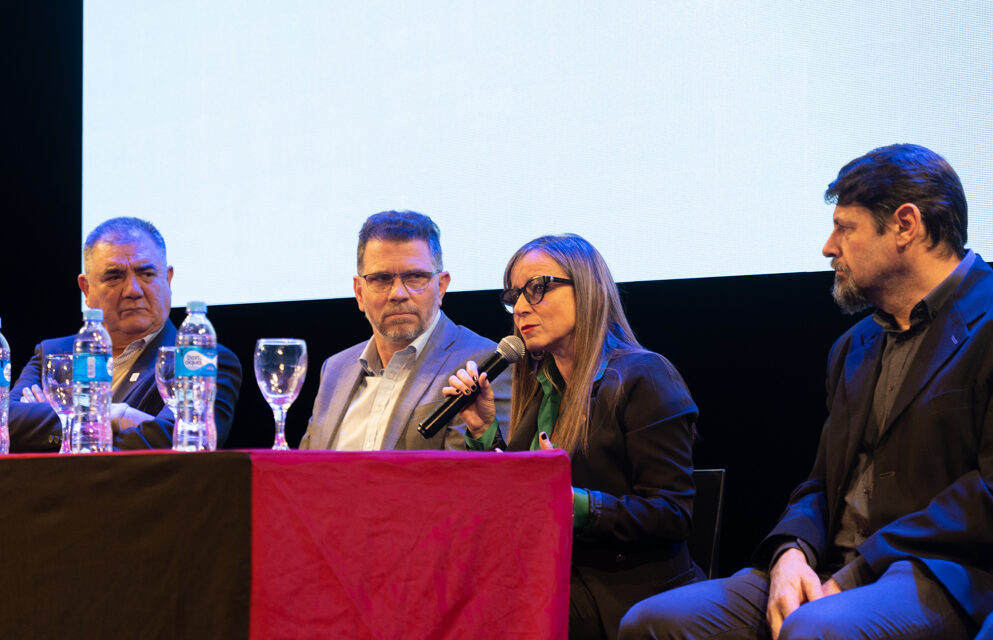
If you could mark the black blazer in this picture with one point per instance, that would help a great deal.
(639, 468)
(35, 427)
(932, 498)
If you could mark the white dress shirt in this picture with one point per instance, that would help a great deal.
(364, 426)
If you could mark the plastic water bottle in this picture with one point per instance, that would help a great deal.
(4, 394)
(196, 381)
(92, 376)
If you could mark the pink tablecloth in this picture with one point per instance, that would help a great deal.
(410, 545)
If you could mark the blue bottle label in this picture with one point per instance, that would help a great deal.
(196, 361)
(92, 367)
(4, 373)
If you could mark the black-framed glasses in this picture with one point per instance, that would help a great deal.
(413, 281)
(533, 291)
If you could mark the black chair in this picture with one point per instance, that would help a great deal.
(708, 505)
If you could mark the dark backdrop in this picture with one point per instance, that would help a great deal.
(752, 349)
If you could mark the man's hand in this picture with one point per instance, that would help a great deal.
(32, 394)
(791, 583)
(117, 410)
(830, 587)
(123, 416)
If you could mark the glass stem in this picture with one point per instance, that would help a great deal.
(66, 421)
(280, 416)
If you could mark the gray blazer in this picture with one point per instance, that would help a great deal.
(448, 349)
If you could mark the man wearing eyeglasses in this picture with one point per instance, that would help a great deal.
(373, 395)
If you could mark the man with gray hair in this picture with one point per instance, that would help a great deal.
(373, 395)
(127, 276)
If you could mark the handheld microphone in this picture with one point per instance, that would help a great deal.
(510, 350)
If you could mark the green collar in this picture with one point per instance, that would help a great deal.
(551, 380)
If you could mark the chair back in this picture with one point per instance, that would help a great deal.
(708, 506)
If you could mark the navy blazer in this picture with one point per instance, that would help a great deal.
(932, 498)
(35, 427)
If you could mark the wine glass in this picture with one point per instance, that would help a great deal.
(56, 382)
(165, 376)
(280, 367)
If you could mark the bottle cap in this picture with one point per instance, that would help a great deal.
(196, 306)
(93, 314)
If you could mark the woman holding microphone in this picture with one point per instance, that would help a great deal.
(622, 413)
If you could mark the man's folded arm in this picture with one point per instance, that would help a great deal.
(156, 433)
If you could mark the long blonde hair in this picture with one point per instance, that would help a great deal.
(601, 329)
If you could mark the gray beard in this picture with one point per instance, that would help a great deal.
(404, 333)
(849, 297)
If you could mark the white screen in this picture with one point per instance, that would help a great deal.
(684, 139)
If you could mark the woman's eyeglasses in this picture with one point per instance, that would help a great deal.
(533, 291)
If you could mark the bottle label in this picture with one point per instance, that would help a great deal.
(4, 373)
(196, 361)
(92, 367)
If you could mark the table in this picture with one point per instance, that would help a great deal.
(299, 544)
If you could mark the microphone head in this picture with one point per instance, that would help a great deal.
(512, 349)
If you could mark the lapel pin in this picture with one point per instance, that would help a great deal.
(134, 376)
